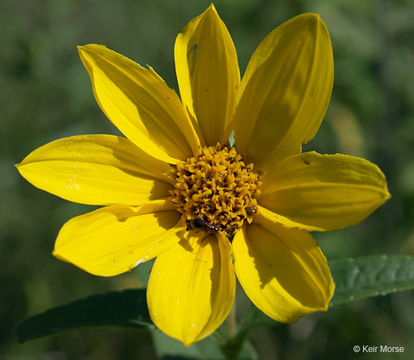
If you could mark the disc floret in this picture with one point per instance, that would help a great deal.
(215, 190)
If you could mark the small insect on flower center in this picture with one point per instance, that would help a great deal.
(215, 190)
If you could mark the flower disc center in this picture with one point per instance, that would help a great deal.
(215, 190)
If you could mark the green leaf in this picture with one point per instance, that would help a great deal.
(371, 276)
(125, 308)
(355, 279)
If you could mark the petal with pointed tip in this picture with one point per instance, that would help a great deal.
(96, 170)
(140, 104)
(285, 91)
(208, 74)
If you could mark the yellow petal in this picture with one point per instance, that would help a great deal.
(323, 192)
(282, 271)
(112, 240)
(285, 91)
(140, 104)
(208, 74)
(96, 170)
(191, 287)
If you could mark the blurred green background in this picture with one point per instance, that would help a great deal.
(45, 94)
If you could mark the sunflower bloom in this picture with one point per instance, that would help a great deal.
(174, 189)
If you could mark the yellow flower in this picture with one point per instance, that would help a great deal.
(174, 189)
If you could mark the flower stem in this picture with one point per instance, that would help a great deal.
(231, 323)
(235, 338)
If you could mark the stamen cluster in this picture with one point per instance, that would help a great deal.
(215, 190)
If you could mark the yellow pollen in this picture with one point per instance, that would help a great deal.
(215, 190)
